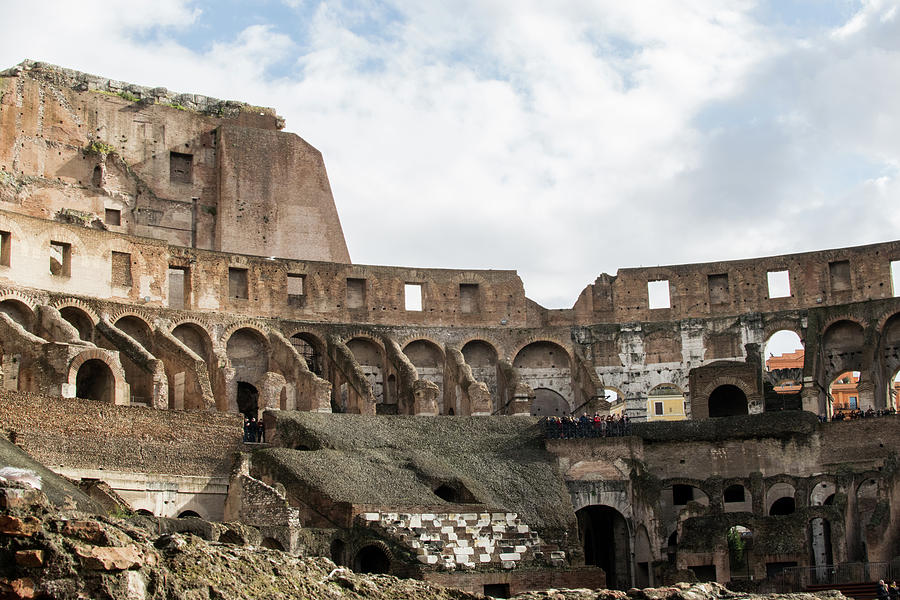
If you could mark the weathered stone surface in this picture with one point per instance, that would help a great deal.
(25, 527)
(29, 558)
(99, 558)
(17, 589)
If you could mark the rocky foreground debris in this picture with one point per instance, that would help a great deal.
(46, 552)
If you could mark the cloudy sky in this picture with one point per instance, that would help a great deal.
(561, 139)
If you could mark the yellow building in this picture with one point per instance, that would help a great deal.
(665, 402)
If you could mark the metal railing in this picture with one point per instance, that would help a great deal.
(797, 579)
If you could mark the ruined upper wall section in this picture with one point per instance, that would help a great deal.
(823, 278)
(85, 82)
(146, 162)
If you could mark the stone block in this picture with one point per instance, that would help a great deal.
(520, 549)
(30, 558)
(485, 558)
(510, 556)
(415, 521)
(498, 516)
(371, 516)
(428, 559)
(469, 517)
(447, 529)
(17, 588)
(507, 564)
(15, 526)
(523, 529)
(427, 517)
(557, 555)
(98, 558)
(498, 529)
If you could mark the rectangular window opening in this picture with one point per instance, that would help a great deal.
(657, 408)
(412, 296)
(658, 293)
(180, 167)
(468, 298)
(113, 216)
(682, 494)
(895, 277)
(60, 259)
(839, 274)
(356, 293)
(179, 287)
(5, 247)
(121, 269)
(237, 283)
(296, 289)
(779, 284)
(718, 288)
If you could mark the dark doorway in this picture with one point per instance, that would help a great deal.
(371, 559)
(604, 533)
(247, 400)
(727, 401)
(272, 544)
(94, 381)
(782, 506)
(496, 590)
(188, 514)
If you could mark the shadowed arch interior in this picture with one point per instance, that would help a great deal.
(95, 381)
(727, 401)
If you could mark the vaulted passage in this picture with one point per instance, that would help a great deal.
(371, 559)
(247, 400)
(604, 533)
(727, 401)
(94, 381)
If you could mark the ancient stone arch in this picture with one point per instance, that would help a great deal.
(120, 387)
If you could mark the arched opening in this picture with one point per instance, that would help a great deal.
(545, 365)
(736, 499)
(429, 362)
(445, 492)
(371, 559)
(95, 381)
(665, 402)
(843, 392)
(783, 373)
(454, 492)
(189, 514)
(248, 354)
(642, 558)
(272, 544)
(893, 392)
(782, 506)
(337, 550)
(739, 540)
(247, 400)
(672, 547)
(19, 312)
(890, 353)
(371, 360)
(137, 329)
(80, 320)
(143, 512)
(605, 535)
(282, 399)
(310, 349)
(616, 399)
(822, 494)
(842, 347)
(820, 547)
(194, 337)
(548, 403)
(727, 401)
(482, 359)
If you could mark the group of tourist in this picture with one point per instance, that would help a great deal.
(849, 415)
(586, 426)
(254, 431)
(888, 592)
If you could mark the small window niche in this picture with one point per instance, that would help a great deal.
(657, 408)
(113, 217)
(5, 248)
(895, 278)
(356, 293)
(60, 259)
(181, 167)
(237, 283)
(412, 297)
(469, 298)
(121, 269)
(718, 289)
(682, 494)
(839, 275)
(179, 287)
(779, 283)
(296, 289)
(658, 294)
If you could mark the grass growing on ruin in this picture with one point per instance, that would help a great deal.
(401, 460)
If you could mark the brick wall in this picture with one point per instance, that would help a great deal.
(84, 434)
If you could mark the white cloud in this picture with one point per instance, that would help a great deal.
(560, 139)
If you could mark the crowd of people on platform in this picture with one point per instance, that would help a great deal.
(254, 431)
(586, 426)
(888, 592)
(849, 415)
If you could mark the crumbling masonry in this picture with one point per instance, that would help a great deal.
(169, 262)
